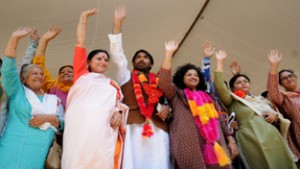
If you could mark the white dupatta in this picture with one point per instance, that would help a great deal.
(284, 123)
(49, 106)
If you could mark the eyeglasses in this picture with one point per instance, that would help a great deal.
(287, 77)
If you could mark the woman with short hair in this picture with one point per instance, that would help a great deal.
(33, 115)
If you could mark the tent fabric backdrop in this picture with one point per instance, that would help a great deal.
(246, 29)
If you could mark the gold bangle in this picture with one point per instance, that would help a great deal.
(39, 49)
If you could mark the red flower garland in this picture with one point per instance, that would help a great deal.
(242, 94)
(150, 87)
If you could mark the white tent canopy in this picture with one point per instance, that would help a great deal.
(246, 29)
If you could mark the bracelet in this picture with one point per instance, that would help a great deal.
(39, 49)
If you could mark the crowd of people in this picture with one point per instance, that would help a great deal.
(143, 120)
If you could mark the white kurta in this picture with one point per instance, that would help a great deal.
(139, 152)
(89, 141)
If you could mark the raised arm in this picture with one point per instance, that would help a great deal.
(222, 91)
(116, 47)
(81, 27)
(39, 58)
(30, 50)
(235, 68)
(80, 54)
(12, 44)
(120, 15)
(10, 77)
(208, 52)
(49, 35)
(273, 82)
(165, 76)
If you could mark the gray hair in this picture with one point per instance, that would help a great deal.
(25, 69)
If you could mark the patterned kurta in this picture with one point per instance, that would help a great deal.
(185, 139)
(290, 107)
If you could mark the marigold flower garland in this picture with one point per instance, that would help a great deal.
(206, 118)
(150, 87)
(242, 94)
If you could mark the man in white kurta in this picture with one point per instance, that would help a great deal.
(139, 152)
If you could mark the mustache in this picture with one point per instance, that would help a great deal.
(140, 62)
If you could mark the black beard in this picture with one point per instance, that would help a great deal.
(145, 70)
(142, 69)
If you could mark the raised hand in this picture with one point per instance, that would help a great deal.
(274, 57)
(171, 46)
(21, 32)
(12, 43)
(120, 14)
(90, 12)
(235, 68)
(51, 33)
(221, 55)
(34, 36)
(208, 49)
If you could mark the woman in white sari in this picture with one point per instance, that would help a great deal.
(94, 113)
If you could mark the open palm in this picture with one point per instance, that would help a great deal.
(274, 57)
(221, 55)
(21, 32)
(171, 46)
(52, 33)
(121, 12)
(208, 49)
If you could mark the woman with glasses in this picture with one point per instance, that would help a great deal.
(288, 103)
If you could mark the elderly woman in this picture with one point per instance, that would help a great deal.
(196, 137)
(33, 115)
(27, 59)
(60, 86)
(94, 113)
(260, 142)
(289, 103)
